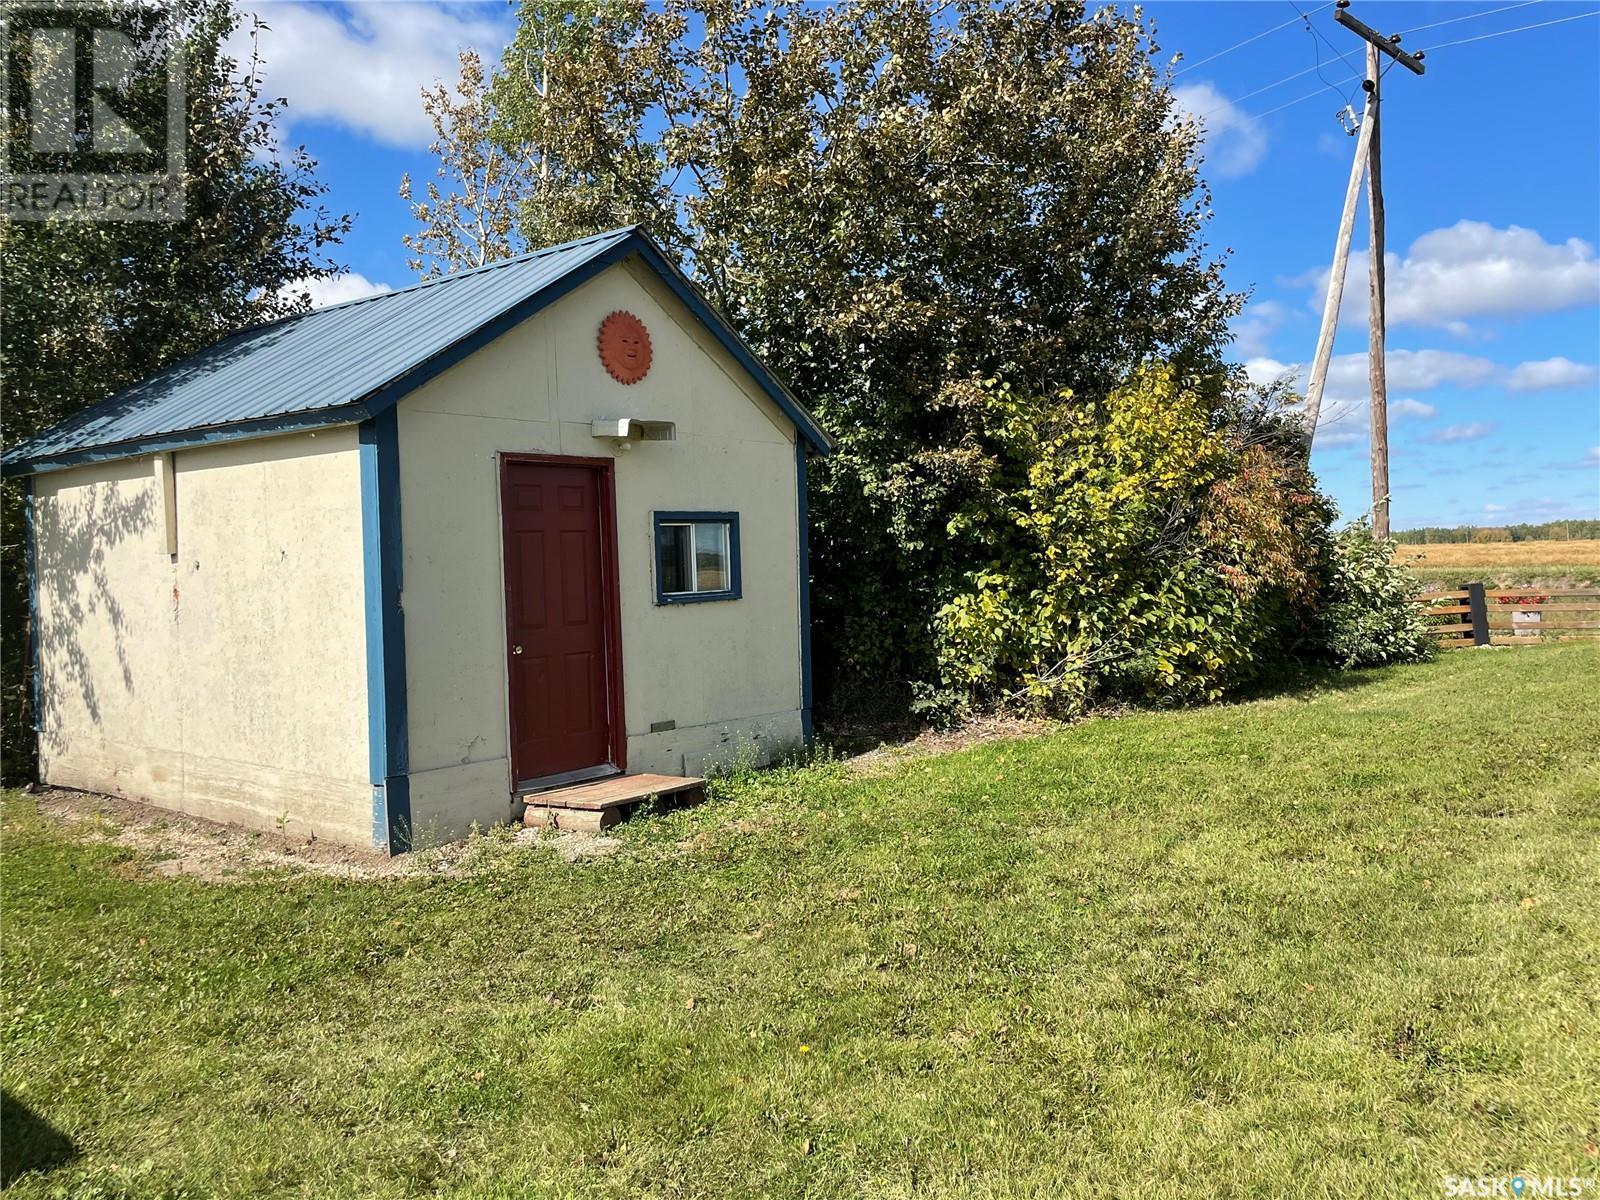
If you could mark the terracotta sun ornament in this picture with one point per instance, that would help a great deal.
(624, 347)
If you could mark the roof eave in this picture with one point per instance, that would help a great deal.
(184, 439)
(816, 438)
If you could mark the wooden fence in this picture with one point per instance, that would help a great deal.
(1477, 615)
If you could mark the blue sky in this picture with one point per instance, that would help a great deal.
(1491, 180)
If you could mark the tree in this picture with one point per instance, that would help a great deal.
(894, 202)
(547, 150)
(474, 223)
(89, 308)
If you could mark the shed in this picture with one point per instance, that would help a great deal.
(388, 568)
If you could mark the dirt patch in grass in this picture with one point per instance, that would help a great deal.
(924, 743)
(571, 846)
(173, 845)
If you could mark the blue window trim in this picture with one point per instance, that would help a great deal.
(731, 519)
(388, 750)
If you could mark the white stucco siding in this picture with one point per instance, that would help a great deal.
(228, 681)
(727, 672)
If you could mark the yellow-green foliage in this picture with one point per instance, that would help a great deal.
(1155, 546)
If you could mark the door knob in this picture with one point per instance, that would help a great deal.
(516, 649)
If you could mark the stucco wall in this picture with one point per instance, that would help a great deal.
(228, 681)
(728, 673)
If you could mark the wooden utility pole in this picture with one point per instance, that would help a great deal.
(1376, 371)
(1341, 257)
(1368, 160)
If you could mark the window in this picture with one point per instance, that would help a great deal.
(697, 557)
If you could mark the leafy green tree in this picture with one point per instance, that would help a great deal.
(1163, 543)
(893, 202)
(88, 308)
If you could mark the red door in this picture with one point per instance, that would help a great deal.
(560, 618)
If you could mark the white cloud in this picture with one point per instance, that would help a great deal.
(1407, 407)
(1471, 269)
(1263, 370)
(1549, 508)
(1346, 407)
(1424, 370)
(1549, 373)
(1413, 370)
(363, 65)
(1234, 141)
(323, 292)
(1255, 326)
(1472, 431)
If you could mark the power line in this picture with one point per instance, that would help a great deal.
(1443, 46)
(1277, 83)
(1317, 33)
(1484, 37)
(1270, 86)
(1247, 41)
(1267, 88)
(1290, 104)
(1487, 12)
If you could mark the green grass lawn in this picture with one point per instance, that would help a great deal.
(1340, 941)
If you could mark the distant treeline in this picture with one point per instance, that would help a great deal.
(1550, 531)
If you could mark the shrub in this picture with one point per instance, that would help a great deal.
(1368, 616)
(1159, 546)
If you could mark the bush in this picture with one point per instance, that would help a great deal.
(1368, 616)
(1162, 545)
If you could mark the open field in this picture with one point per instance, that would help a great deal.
(1341, 940)
(1503, 554)
(1505, 564)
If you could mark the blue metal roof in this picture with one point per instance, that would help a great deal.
(351, 361)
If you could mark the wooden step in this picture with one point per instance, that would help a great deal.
(598, 805)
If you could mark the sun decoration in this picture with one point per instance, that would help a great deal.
(624, 347)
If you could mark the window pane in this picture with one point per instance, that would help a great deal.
(673, 544)
(711, 557)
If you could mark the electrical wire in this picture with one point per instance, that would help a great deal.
(1358, 77)
(1429, 50)
(1270, 86)
(1289, 104)
(1276, 84)
(1484, 37)
(1316, 33)
(1324, 38)
(1487, 12)
(1256, 38)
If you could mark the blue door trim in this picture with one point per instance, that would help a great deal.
(387, 741)
(803, 509)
